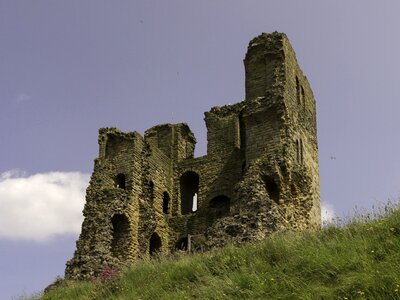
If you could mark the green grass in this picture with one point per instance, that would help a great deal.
(358, 261)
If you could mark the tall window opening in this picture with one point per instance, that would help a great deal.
(120, 181)
(298, 92)
(154, 244)
(220, 205)
(272, 188)
(189, 184)
(120, 236)
(165, 206)
(299, 151)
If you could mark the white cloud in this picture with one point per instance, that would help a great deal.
(40, 206)
(327, 213)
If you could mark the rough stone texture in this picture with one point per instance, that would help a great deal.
(260, 173)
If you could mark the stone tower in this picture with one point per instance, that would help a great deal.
(150, 195)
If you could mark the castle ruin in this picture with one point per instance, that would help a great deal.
(150, 195)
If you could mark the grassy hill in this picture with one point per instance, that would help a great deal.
(358, 261)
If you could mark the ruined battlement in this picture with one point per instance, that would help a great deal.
(150, 195)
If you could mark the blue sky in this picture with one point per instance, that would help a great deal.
(68, 68)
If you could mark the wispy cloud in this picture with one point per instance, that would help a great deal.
(40, 206)
(327, 212)
(22, 97)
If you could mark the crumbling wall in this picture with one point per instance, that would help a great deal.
(119, 157)
(301, 127)
(260, 174)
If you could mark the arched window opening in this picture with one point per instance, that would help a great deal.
(272, 189)
(165, 206)
(120, 181)
(182, 244)
(220, 205)
(120, 236)
(189, 184)
(155, 244)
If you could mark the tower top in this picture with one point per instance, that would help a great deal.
(263, 38)
(263, 65)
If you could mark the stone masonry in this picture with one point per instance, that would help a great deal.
(149, 195)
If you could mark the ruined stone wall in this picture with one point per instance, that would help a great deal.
(302, 130)
(157, 170)
(175, 140)
(111, 201)
(260, 173)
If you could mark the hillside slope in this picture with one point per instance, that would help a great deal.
(360, 261)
